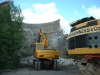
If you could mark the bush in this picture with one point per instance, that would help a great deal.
(11, 35)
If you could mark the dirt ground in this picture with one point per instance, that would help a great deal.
(68, 70)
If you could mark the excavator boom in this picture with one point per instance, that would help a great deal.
(43, 38)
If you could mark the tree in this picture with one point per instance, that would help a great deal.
(11, 35)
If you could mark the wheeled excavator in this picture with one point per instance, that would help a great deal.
(43, 55)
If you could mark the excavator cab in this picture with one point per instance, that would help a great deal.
(39, 46)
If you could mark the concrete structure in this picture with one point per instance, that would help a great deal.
(53, 31)
(4, 4)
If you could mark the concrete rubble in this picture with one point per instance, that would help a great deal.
(62, 61)
(66, 62)
(27, 60)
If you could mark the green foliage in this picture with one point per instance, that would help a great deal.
(11, 35)
(25, 54)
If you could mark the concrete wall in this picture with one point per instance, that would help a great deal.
(53, 32)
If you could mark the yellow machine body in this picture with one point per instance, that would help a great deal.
(42, 53)
(41, 48)
(84, 38)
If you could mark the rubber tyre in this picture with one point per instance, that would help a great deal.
(39, 65)
(54, 65)
(36, 65)
(57, 65)
(33, 63)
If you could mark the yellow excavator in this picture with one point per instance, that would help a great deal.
(43, 55)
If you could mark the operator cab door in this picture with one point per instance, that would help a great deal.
(39, 46)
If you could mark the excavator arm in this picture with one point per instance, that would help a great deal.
(42, 38)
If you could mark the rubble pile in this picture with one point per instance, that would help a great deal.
(27, 60)
(62, 61)
(65, 62)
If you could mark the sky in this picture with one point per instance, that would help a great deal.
(43, 11)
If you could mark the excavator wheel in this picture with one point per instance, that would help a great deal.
(33, 63)
(39, 65)
(36, 65)
(56, 65)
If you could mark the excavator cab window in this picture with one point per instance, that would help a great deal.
(40, 46)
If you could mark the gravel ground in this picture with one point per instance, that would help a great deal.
(68, 70)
